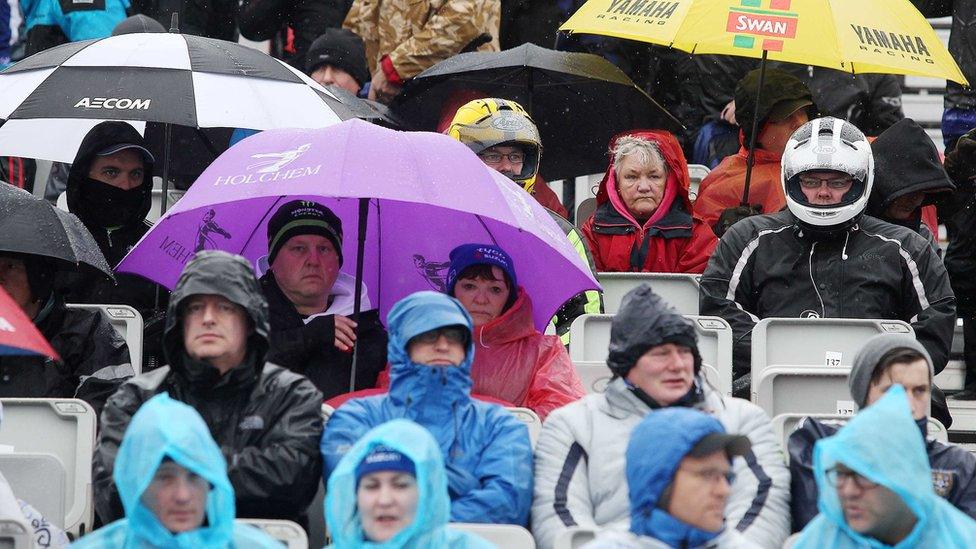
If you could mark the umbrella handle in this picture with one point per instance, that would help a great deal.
(357, 292)
(751, 159)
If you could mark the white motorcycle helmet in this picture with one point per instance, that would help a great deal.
(828, 144)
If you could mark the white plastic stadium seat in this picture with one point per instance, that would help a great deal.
(575, 537)
(285, 531)
(590, 340)
(817, 349)
(679, 290)
(63, 427)
(508, 536)
(15, 534)
(38, 479)
(696, 173)
(953, 376)
(585, 210)
(127, 322)
(530, 419)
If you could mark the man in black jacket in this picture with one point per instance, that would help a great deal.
(266, 419)
(94, 357)
(822, 258)
(310, 302)
(884, 360)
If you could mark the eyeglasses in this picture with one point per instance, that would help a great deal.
(839, 183)
(836, 477)
(453, 334)
(496, 157)
(712, 476)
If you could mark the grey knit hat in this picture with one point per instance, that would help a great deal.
(868, 357)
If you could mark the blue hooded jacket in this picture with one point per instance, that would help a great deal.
(487, 450)
(165, 428)
(429, 528)
(657, 446)
(883, 444)
(79, 23)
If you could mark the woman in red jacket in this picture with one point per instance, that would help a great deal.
(512, 360)
(643, 220)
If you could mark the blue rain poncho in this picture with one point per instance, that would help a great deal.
(164, 428)
(429, 528)
(488, 452)
(883, 444)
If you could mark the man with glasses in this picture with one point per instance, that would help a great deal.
(486, 450)
(822, 257)
(875, 486)
(679, 477)
(885, 360)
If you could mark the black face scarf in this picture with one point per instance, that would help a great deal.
(105, 206)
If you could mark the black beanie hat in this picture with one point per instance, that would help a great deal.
(300, 217)
(340, 48)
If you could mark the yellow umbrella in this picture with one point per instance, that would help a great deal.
(856, 36)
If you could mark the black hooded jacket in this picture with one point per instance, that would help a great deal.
(115, 243)
(906, 161)
(962, 45)
(266, 420)
(764, 268)
(310, 350)
(94, 359)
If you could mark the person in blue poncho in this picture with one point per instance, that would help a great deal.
(875, 486)
(390, 491)
(173, 483)
(679, 476)
(487, 452)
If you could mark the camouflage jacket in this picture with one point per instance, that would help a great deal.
(416, 34)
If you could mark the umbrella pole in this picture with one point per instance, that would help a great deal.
(167, 144)
(755, 129)
(357, 299)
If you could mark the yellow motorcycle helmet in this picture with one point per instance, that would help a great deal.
(485, 123)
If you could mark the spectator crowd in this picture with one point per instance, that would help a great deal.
(261, 384)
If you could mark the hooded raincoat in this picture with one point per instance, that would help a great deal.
(722, 187)
(266, 419)
(906, 161)
(953, 467)
(166, 429)
(429, 527)
(517, 364)
(620, 243)
(487, 450)
(655, 450)
(866, 445)
(579, 457)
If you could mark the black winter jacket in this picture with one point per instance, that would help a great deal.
(266, 420)
(263, 19)
(953, 471)
(762, 268)
(94, 359)
(309, 349)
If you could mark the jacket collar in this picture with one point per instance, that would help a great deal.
(676, 223)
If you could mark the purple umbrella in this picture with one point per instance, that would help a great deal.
(426, 194)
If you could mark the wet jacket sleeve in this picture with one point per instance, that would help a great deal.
(930, 305)
(715, 298)
(555, 383)
(960, 465)
(562, 498)
(759, 504)
(499, 490)
(695, 256)
(886, 107)
(350, 422)
(104, 363)
(283, 470)
(803, 485)
(591, 242)
(113, 422)
(448, 30)
(294, 347)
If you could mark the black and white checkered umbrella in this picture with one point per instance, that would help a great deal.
(169, 78)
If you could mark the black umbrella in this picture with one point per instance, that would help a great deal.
(578, 100)
(30, 225)
(350, 106)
